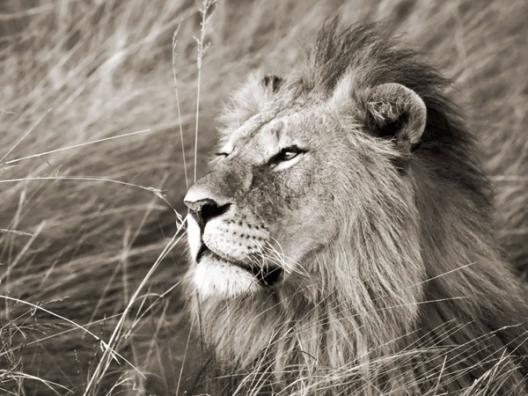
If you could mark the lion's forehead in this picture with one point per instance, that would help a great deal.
(264, 132)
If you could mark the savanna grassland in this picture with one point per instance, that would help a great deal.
(107, 114)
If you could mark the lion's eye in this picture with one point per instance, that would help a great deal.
(221, 154)
(286, 154)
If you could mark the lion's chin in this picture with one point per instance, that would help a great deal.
(213, 277)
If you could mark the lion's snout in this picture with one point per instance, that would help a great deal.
(229, 231)
(234, 238)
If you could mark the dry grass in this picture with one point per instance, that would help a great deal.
(97, 103)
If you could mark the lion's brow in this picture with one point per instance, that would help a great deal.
(254, 124)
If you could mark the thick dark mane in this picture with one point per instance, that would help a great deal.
(376, 58)
(449, 184)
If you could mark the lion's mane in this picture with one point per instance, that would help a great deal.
(462, 324)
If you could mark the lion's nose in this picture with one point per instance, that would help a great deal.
(204, 206)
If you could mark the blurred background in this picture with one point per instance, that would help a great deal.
(98, 122)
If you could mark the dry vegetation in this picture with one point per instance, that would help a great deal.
(95, 109)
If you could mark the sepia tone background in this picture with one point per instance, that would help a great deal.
(97, 100)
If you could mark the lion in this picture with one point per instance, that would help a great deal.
(342, 242)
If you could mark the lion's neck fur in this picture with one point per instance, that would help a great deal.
(371, 320)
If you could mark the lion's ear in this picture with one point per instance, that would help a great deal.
(396, 112)
(273, 83)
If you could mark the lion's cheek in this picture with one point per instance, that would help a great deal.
(299, 235)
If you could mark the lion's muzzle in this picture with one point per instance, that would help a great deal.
(223, 235)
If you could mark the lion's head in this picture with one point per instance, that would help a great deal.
(339, 199)
(292, 178)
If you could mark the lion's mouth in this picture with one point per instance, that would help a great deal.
(266, 274)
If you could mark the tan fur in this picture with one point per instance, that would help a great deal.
(392, 282)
